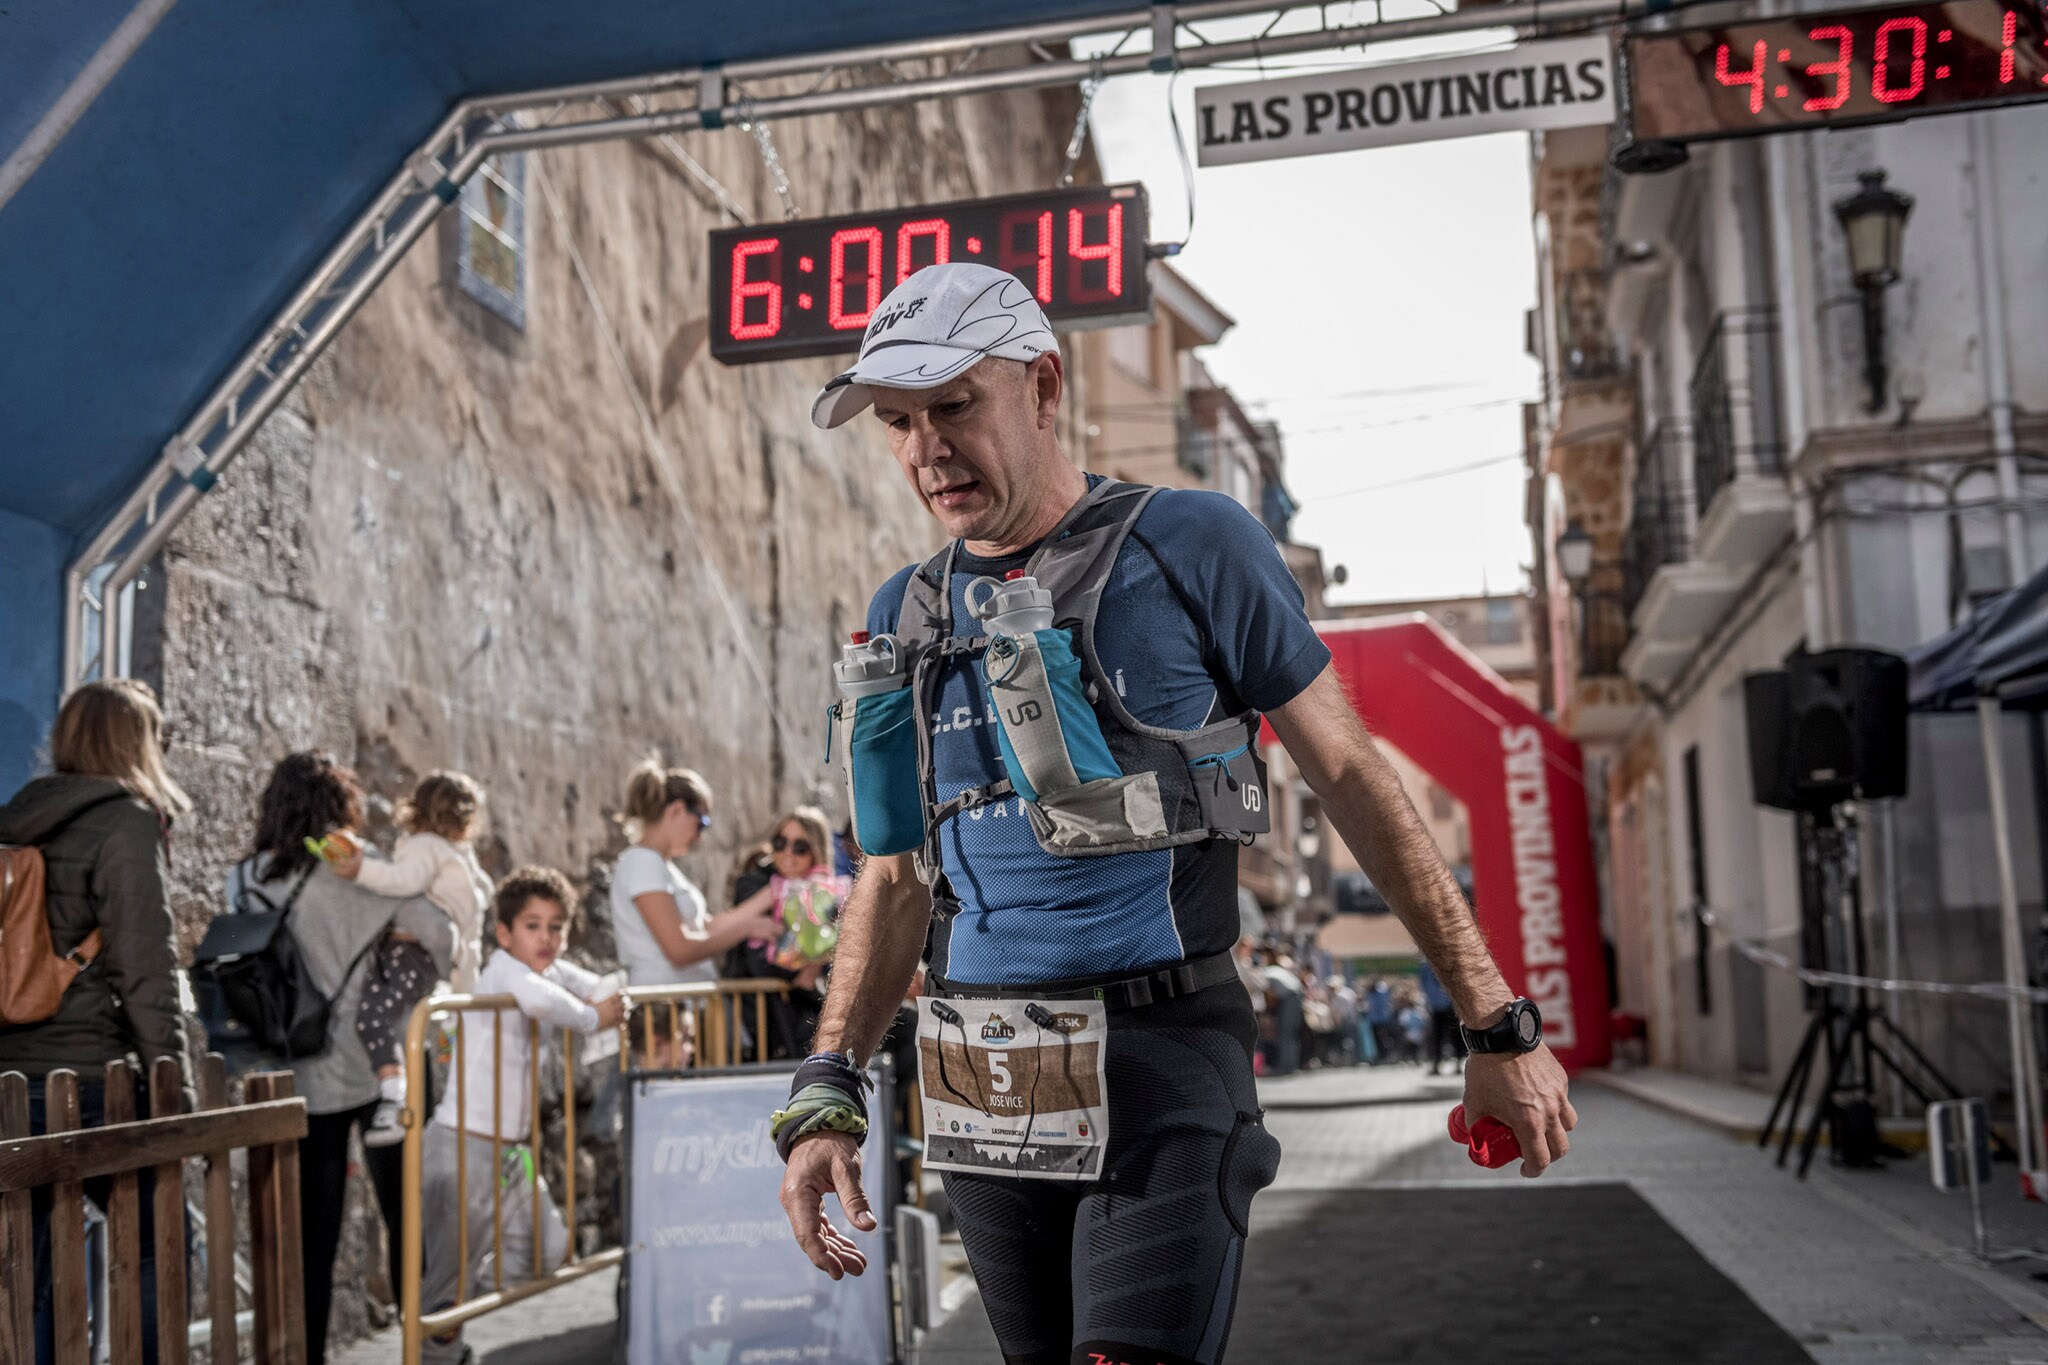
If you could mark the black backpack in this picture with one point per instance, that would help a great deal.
(253, 984)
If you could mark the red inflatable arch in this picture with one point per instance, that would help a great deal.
(1524, 788)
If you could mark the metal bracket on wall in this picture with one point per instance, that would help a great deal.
(670, 102)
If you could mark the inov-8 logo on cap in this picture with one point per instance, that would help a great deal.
(934, 327)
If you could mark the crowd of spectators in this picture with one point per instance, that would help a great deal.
(374, 933)
(1315, 1011)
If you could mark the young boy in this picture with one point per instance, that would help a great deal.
(532, 912)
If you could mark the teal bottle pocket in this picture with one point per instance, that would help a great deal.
(881, 773)
(1050, 739)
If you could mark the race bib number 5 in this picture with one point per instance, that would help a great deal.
(1014, 1087)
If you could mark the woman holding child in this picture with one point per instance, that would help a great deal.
(790, 878)
(435, 859)
(337, 925)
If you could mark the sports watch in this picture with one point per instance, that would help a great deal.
(1519, 1030)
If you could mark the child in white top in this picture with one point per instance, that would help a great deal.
(434, 860)
(532, 910)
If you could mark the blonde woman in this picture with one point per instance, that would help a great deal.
(102, 821)
(666, 935)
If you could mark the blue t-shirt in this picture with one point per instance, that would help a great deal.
(1200, 620)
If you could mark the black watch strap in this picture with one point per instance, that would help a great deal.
(1520, 1030)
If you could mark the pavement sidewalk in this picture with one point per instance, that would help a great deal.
(1860, 1267)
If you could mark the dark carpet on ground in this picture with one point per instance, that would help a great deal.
(596, 1344)
(1568, 1274)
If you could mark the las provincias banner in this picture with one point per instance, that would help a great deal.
(1567, 83)
(1523, 783)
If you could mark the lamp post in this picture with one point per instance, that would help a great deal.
(1874, 221)
(1575, 557)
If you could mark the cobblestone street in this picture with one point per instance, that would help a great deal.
(1859, 1268)
(1863, 1267)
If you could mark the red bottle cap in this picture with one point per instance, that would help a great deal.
(860, 637)
(1492, 1143)
(1013, 574)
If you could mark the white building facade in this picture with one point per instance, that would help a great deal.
(1710, 425)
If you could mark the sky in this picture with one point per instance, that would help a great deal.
(1379, 299)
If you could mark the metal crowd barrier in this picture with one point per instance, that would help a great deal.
(713, 1012)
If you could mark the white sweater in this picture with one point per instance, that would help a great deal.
(448, 875)
(557, 998)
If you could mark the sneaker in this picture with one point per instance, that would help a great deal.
(385, 1129)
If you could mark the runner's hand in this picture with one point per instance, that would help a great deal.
(821, 1164)
(1527, 1093)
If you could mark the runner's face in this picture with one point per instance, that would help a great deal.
(534, 936)
(977, 451)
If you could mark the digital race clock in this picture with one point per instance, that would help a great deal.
(805, 288)
(1829, 69)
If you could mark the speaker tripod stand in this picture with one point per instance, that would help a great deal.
(1850, 1034)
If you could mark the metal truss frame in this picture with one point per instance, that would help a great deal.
(100, 584)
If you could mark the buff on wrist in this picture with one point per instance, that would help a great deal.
(819, 1108)
(832, 1068)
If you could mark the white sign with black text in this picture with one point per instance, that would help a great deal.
(1566, 83)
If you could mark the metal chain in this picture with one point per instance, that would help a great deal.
(765, 141)
(1768, 957)
(1080, 135)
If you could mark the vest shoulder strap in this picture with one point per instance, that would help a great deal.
(1074, 563)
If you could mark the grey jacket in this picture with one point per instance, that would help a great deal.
(105, 863)
(334, 921)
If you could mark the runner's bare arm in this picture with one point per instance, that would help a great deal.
(1364, 798)
(881, 936)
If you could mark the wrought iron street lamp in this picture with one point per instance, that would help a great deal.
(1874, 221)
(1575, 556)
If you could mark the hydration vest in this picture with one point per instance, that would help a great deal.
(1168, 787)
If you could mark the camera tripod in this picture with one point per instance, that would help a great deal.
(1850, 1033)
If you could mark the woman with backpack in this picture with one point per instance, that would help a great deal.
(334, 925)
(100, 823)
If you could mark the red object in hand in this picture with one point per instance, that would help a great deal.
(1492, 1142)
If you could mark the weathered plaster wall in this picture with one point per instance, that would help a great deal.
(462, 545)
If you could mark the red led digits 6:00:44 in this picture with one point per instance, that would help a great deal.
(809, 287)
(1842, 67)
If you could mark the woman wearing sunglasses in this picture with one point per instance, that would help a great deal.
(790, 879)
(665, 934)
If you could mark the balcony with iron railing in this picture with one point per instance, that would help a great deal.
(1672, 597)
(1603, 632)
(1657, 529)
(1739, 490)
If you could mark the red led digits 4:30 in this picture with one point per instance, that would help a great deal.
(809, 287)
(1842, 67)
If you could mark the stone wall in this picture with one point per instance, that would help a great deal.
(540, 555)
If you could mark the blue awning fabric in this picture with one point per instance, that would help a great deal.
(203, 183)
(2000, 650)
(236, 145)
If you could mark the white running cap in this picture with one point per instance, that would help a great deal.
(934, 327)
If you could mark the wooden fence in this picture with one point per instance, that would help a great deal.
(267, 1125)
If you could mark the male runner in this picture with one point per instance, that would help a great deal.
(1199, 620)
